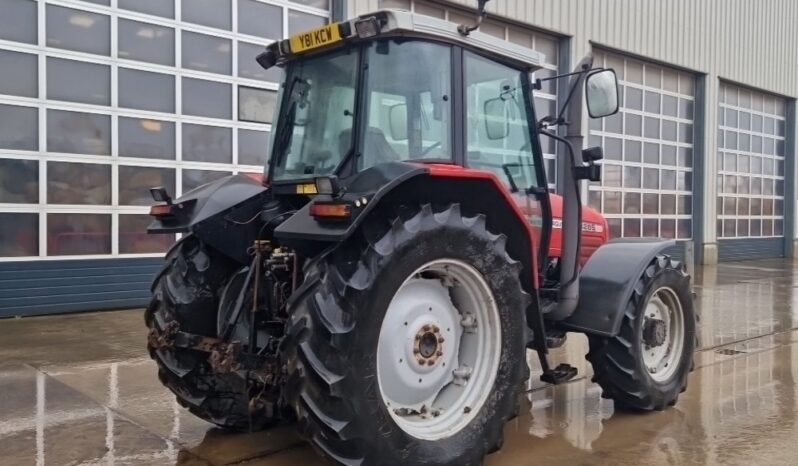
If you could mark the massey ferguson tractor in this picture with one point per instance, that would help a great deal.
(381, 284)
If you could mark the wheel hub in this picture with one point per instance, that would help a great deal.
(428, 345)
(654, 332)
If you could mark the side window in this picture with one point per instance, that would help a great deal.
(498, 137)
(410, 107)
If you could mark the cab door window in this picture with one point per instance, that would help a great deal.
(497, 128)
(408, 94)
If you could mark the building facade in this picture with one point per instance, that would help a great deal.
(102, 99)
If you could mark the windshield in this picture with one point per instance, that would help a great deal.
(316, 115)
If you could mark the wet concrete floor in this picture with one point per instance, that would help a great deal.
(80, 390)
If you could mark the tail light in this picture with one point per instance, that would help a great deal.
(162, 210)
(330, 211)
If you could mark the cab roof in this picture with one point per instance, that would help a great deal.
(394, 23)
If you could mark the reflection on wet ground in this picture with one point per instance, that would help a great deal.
(80, 390)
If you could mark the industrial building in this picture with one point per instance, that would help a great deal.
(102, 99)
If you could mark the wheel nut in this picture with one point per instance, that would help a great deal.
(439, 353)
(418, 337)
(426, 328)
(440, 340)
(416, 351)
(430, 362)
(435, 329)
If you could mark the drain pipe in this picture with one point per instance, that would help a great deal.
(572, 202)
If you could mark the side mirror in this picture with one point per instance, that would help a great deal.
(601, 93)
(497, 125)
(397, 121)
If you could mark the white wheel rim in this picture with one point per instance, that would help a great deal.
(439, 349)
(662, 358)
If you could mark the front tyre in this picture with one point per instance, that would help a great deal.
(645, 366)
(414, 352)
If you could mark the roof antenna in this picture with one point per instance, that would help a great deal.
(466, 30)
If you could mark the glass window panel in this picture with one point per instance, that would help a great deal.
(612, 124)
(651, 204)
(321, 4)
(779, 207)
(300, 22)
(207, 144)
(669, 129)
(686, 133)
(651, 128)
(731, 140)
(756, 206)
(756, 185)
(19, 233)
(756, 123)
(767, 188)
(78, 183)
(634, 98)
(612, 176)
(145, 90)
(685, 157)
(18, 21)
(685, 205)
(669, 155)
(631, 203)
(260, 19)
(77, 81)
(742, 207)
(19, 127)
(78, 133)
(632, 150)
(742, 227)
(634, 125)
(651, 178)
(146, 42)
(613, 148)
(651, 152)
(686, 109)
(730, 184)
(612, 202)
(756, 164)
(743, 184)
(767, 166)
(729, 206)
(769, 146)
(756, 144)
(631, 227)
(685, 228)
(79, 30)
(778, 227)
(213, 13)
(133, 237)
(653, 76)
(594, 200)
(202, 52)
(729, 228)
(207, 98)
(668, 228)
(670, 105)
(744, 142)
(670, 80)
(135, 183)
(650, 227)
(631, 177)
(250, 69)
(684, 181)
(195, 178)
(19, 181)
(634, 71)
(756, 227)
(668, 179)
(165, 8)
(253, 147)
(615, 227)
(668, 204)
(256, 105)
(78, 234)
(152, 139)
(652, 102)
(767, 227)
(731, 95)
(20, 72)
(744, 120)
(769, 126)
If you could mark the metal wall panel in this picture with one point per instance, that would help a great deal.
(50, 287)
(750, 248)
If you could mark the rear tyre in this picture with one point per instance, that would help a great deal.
(409, 350)
(187, 291)
(645, 366)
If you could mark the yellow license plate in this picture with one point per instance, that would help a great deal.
(316, 38)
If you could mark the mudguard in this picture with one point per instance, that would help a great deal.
(233, 200)
(607, 281)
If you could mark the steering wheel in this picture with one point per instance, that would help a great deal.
(429, 149)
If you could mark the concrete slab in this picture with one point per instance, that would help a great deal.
(80, 389)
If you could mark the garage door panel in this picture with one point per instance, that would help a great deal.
(647, 172)
(750, 161)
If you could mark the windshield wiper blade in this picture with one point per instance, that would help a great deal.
(287, 119)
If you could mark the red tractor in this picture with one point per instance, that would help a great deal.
(381, 284)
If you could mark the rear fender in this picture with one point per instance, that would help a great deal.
(607, 281)
(222, 213)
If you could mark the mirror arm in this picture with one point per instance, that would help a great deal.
(466, 30)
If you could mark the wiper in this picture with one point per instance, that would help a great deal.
(287, 119)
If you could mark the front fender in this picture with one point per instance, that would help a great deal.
(607, 281)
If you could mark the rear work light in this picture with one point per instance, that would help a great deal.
(339, 211)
